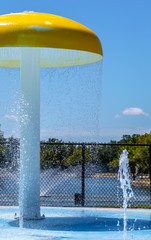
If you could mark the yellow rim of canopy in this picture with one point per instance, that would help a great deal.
(30, 29)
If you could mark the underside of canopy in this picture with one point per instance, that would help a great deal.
(62, 42)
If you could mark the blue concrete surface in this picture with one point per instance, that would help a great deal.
(76, 223)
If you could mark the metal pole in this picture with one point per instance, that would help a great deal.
(83, 176)
(29, 195)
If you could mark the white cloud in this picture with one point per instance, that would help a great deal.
(110, 133)
(134, 111)
(117, 116)
(11, 117)
(66, 133)
(119, 132)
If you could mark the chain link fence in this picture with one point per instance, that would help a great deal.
(79, 174)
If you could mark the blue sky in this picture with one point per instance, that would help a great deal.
(124, 28)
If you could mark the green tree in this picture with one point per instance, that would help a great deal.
(138, 155)
(76, 158)
(53, 154)
(3, 152)
(107, 154)
(141, 155)
(13, 151)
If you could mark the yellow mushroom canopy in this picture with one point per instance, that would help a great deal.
(62, 42)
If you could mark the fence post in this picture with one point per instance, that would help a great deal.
(83, 176)
(150, 169)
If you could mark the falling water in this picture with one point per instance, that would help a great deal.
(123, 176)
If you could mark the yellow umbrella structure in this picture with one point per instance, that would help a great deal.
(31, 41)
(46, 31)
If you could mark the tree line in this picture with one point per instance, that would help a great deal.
(65, 156)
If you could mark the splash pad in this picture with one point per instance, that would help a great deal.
(77, 223)
(31, 41)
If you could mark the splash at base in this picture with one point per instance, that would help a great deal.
(77, 223)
